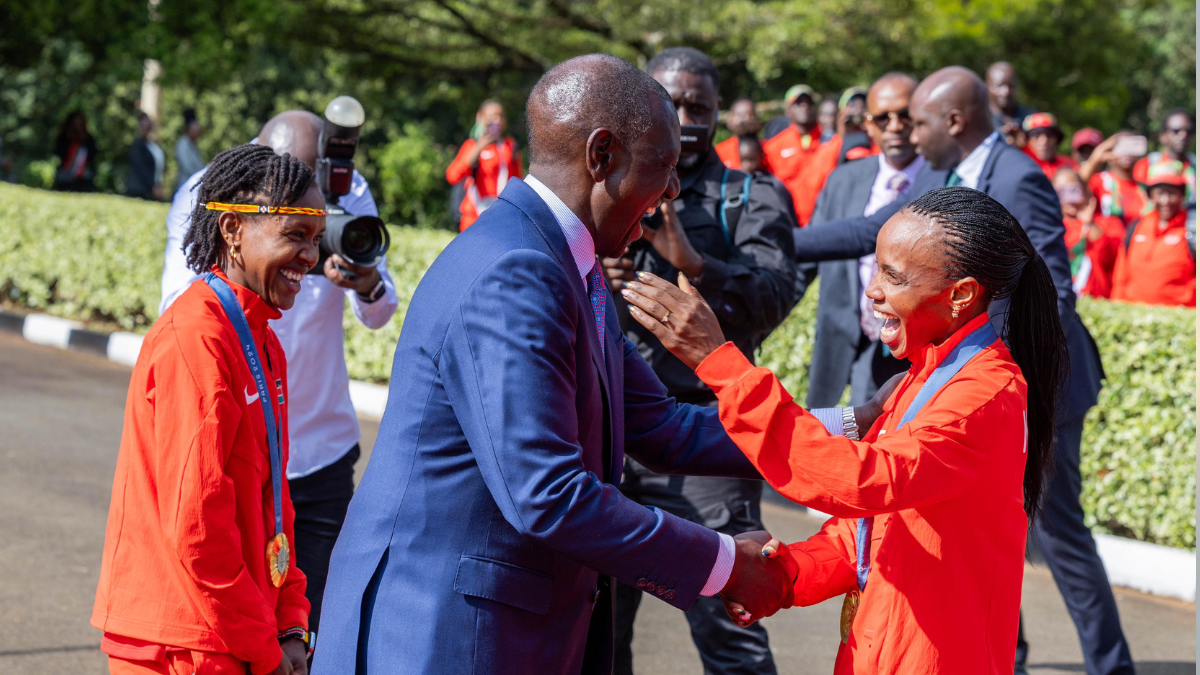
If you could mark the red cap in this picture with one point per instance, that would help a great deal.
(1166, 172)
(1086, 136)
(1041, 120)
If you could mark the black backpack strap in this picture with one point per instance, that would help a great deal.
(732, 207)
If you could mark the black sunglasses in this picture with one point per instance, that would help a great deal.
(882, 121)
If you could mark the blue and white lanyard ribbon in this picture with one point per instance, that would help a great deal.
(237, 317)
(964, 351)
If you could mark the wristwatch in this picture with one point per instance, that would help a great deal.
(375, 294)
(849, 426)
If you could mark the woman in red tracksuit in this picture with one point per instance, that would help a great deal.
(931, 507)
(197, 574)
(485, 163)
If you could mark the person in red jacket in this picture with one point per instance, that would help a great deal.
(1119, 195)
(1043, 135)
(485, 163)
(1092, 239)
(1157, 263)
(790, 152)
(931, 507)
(198, 575)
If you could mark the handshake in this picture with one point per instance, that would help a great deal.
(762, 578)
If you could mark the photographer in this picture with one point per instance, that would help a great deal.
(323, 427)
(730, 233)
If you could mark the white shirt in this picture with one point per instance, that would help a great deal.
(322, 424)
(881, 196)
(971, 167)
(583, 251)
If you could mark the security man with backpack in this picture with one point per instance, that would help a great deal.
(730, 233)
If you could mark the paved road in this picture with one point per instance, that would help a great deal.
(60, 424)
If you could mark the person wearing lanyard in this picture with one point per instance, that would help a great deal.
(323, 429)
(484, 163)
(931, 507)
(198, 572)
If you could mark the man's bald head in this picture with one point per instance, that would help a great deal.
(587, 93)
(1002, 86)
(295, 132)
(950, 115)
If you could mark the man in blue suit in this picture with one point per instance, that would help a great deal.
(952, 126)
(488, 526)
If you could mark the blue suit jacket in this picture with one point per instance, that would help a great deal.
(1010, 177)
(488, 522)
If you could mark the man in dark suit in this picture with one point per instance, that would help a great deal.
(488, 528)
(847, 349)
(953, 129)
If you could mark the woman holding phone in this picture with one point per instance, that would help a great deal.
(931, 506)
(485, 163)
(198, 574)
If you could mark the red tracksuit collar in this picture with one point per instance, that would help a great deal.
(258, 312)
(932, 355)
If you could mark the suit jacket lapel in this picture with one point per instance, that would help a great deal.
(989, 165)
(860, 195)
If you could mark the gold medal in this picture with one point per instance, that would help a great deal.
(849, 609)
(278, 559)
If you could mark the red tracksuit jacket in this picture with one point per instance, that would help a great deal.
(944, 589)
(192, 509)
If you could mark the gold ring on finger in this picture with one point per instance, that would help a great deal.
(666, 317)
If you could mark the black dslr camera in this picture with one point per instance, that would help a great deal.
(360, 239)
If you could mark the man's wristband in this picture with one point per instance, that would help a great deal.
(375, 294)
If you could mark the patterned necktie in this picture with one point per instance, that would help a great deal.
(598, 294)
(869, 267)
(953, 179)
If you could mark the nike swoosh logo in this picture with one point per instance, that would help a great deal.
(250, 399)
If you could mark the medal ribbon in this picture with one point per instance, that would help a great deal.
(963, 352)
(238, 318)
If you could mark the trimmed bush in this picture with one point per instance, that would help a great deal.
(99, 258)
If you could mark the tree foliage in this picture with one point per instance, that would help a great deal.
(1104, 63)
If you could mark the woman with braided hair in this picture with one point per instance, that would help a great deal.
(198, 574)
(931, 504)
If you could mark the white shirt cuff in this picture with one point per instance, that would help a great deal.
(721, 569)
(831, 418)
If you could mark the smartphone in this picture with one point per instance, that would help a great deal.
(1130, 146)
(493, 130)
(693, 139)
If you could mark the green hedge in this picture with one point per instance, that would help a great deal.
(99, 258)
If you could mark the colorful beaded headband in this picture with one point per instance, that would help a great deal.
(257, 208)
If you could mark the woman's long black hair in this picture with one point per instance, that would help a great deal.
(983, 240)
(245, 174)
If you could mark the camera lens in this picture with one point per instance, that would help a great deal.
(361, 240)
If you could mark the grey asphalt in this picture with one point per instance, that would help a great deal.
(60, 426)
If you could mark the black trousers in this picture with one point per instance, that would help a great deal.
(321, 499)
(1070, 552)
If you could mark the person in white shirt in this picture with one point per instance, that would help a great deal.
(323, 428)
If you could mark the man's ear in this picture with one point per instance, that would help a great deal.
(955, 122)
(601, 154)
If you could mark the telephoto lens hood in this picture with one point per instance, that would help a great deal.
(362, 240)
